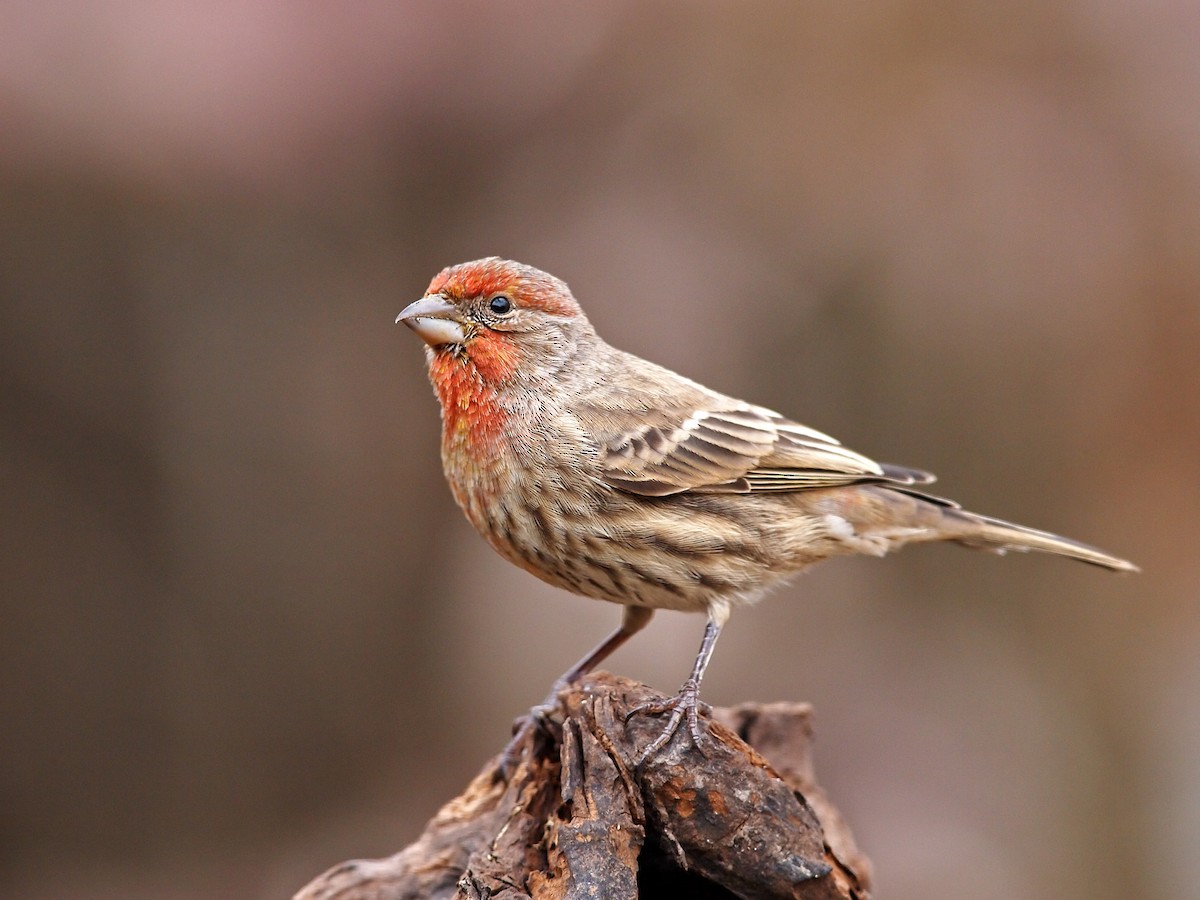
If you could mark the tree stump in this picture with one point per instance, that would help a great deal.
(741, 816)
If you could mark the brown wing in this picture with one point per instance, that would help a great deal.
(737, 450)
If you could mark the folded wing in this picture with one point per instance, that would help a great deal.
(742, 449)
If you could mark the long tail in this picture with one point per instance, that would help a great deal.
(913, 516)
(999, 536)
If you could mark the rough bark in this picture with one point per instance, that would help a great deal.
(739, 817)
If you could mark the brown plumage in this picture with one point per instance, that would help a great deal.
(617, 479)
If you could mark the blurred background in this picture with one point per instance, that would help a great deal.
(246, 634)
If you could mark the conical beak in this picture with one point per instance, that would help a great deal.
(435, 321)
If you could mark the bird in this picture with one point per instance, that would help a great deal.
(617, 479)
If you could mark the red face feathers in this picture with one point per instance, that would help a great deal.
(496, 330)
(524, 285)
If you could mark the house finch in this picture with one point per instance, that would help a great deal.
(614, 478)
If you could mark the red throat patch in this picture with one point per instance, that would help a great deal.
(469, 384)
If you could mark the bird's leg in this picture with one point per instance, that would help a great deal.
(687, 701)
(633, 620)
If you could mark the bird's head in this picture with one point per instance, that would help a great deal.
(505, 320)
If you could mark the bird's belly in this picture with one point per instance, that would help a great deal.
(657, 553)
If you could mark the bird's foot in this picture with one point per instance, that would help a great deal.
(685, 704)
(539, 717)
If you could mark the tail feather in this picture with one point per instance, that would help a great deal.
(998, 536)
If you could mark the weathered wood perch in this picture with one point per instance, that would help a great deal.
(578, 819)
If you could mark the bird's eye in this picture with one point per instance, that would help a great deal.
(500, 305)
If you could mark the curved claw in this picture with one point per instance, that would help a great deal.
(687, 704)
(538, 717)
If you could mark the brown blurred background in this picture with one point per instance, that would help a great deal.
(246, 634)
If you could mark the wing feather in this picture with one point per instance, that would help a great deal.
(740, 449)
